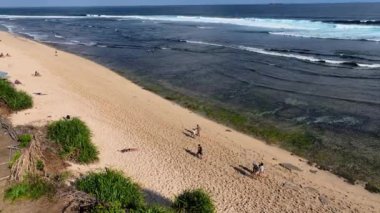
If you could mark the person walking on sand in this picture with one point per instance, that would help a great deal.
(198, 131)
(200, 152)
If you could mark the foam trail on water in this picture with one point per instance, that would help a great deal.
(290, 55)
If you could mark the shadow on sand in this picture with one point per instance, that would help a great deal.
(191, 153)
(188, 133)
(242, 171)
(155, 198)
(246, 169)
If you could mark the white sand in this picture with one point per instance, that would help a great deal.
(123, 115)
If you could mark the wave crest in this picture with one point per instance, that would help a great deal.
(290, 55)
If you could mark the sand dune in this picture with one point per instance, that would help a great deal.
(123, 115)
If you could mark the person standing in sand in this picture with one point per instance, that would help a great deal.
(200, 152)
(198, 131)
(260, 169)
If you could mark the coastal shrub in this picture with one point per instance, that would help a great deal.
(194, 201)
(15, 100)
(32, 187)
(14, 158)
(113, 207)
(372, 187)
(74, 138)
(110, 187)
(24, 140)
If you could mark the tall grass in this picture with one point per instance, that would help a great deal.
(15, 100)
(74, 138)
(24, 140)
(14, 158)
(194, 201)
(32, 187)
(111, 187)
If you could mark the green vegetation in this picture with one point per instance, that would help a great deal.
(15, 100)
(32, 187)
(24, 140)
(373, 187)
(74, 138)
(111, 187)
(14, 158)
(116, 193)
(194, 201)
(40, 165)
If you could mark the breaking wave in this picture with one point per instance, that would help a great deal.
(368, 30)
(290, 55)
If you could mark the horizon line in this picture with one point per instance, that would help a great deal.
(171, 5)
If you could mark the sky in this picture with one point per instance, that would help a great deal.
(36, 3)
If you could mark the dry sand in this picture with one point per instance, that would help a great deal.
(123, 115)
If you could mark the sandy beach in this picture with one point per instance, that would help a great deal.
(123, 115)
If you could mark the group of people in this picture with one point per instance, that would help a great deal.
(257, 170)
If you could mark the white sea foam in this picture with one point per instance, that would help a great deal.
(284, 27)
(9, 27)
(285, 55)
(58, 36)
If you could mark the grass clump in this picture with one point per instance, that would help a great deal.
(15, 100)
(14, 158)
(112, 188)
(74, 138)
(372, 187)
(24, 140)
(40, 165)
(32, 187)
(194, 201)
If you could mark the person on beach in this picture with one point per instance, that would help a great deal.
(37, 74)
(258, 169)
(196, 131)
(200, 152)
(56, 53)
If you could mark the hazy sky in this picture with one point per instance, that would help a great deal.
(28, 3)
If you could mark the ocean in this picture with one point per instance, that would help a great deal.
(316, 65)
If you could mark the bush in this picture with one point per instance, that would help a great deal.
(24, 140)
(33, 187)
(193, 202)
(114, 207)
(14, 158)
(112, 187)
(15, 100)
(372, 187)
(74, 138)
